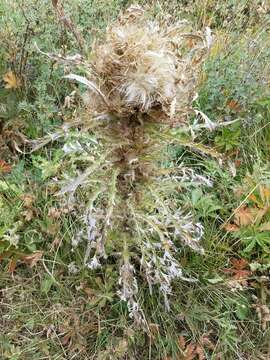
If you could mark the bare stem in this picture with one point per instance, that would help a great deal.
(67, 22)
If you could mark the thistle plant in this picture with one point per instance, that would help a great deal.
(140, 81)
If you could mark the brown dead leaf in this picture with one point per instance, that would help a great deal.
(239, 264)
(12, 265)
(4, 167)
(238, 271)
(200, 352)
(234, 105)
(11, 80)
(28, 214)
(265, 226)
(259, 213)
(54, 213)
(243, 216)
(182, 342)
(190, 352)
(193, 350)
(231, 227)
(207, 342)
(27, 200)
(32, 259)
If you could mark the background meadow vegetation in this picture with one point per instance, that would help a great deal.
(51, 306)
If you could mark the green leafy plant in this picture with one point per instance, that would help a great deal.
(229, 138)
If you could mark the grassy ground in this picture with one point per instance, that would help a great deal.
(51, 306)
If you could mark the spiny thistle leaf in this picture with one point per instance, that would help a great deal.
(141, 80)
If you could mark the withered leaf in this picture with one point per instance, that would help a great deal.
(231, 227)
(239, 264)
(238, 270)
(243, 216)
(12, 265)
(32, 259)
(28, 214)
(234, 105)
(28, 200)
(265, 226)
(4, 167)
(11, 80)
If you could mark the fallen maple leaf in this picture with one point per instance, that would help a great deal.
(11, 80)
(239, 271)
(239, 264)
(248, 215)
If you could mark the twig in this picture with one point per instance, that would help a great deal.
(68, 23)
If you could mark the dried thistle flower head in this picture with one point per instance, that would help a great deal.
(141, 66)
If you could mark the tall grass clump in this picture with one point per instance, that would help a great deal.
(125, 203)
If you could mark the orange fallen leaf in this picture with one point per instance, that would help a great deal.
(239, 271)
(253, 198)
(237, 163)
(11, 80)
(4, 167)
(234, 105)
(239, 264)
